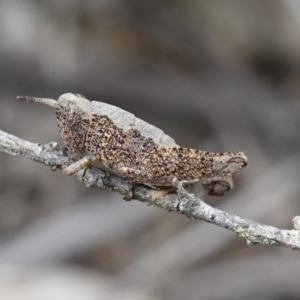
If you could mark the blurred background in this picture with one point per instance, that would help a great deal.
(219, 75)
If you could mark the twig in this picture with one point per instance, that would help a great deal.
(181, 201)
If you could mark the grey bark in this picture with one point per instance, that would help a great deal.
(177, 200)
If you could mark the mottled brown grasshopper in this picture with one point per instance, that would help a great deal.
(129, 147)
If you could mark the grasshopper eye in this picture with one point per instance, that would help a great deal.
(238, 160)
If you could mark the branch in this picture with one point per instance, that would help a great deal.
(180, 201)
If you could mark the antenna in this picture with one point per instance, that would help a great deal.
(45, 101)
